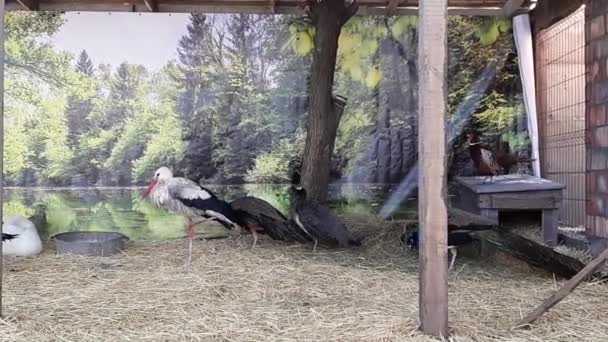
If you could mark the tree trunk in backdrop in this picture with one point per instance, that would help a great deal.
(328, 17)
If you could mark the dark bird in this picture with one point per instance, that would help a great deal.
(318, 222)
(455, 239)
(486, 162)
(195, 202)
(260, 217)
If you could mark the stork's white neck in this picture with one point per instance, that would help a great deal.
(160, 193)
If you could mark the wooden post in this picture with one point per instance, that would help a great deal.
(2, 12)
(550, 224)
(432, 69)
(565, 290)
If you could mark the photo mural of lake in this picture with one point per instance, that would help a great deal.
(94, 103)
(123, 210)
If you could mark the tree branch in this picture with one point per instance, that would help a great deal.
(40, 74)
(350, 11)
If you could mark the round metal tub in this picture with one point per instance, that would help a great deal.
(89, 243)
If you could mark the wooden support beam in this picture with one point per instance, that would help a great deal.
(151, 5)
(432, 193)
(2, 13)
(565, 290)
(511, 7)
(391, 7)
(28, 5)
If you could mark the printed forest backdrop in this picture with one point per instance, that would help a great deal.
(231, 107)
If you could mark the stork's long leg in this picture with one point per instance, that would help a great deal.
(201, 220)
(190, 231)
(189, 252)
(314, 248)
(255, 238)
(452, 249)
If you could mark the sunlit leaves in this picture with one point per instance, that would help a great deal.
(358, 43)
(517, 141)
(273, 166)
(403, 24)
(373, 77)
(50, 139)
(491, 28)
(301, 38)
(499, 114)
(16, 146)
(164, 146)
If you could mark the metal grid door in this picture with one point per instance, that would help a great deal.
(560, 72)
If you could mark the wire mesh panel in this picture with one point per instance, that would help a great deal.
(560, 63)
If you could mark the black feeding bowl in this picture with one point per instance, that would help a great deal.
(89, 243)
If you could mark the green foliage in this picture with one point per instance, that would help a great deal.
(491, 28)
(231, 108)
(354, 125)
(16, 146)
(163, 148)
(273, 166)
(50, 134)
(517, 141)
(13, 206)
(498, 115)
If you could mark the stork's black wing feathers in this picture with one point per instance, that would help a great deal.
(322, 223)
(195, 196)
(211, 206)
(6, 236)
(258, 212)
(459, 238)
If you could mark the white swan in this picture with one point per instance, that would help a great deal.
(20, 237)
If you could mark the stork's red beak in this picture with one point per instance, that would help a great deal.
(150, 187)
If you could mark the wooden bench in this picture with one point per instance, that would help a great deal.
(486, 196)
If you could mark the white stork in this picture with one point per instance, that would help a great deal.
(187, 198)
(20, 237)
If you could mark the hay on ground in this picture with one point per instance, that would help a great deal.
(281, 292)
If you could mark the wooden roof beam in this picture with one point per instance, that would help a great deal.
(370, 7)
(28, 5)
(511, 7)
(151, 5)
(390, 8)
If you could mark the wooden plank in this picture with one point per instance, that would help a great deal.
(28, 5)
(2, 37)
(490, 214)
(550, 226)
(432, 185)
(565, 290)
(508, 183)
(467, 200)
(152, 5)
(531, 252)
(511, 7)
(522, 200)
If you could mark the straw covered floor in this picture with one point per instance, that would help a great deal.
(280, 292)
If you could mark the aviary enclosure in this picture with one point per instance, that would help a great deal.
(96, 102)
(223, 99)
